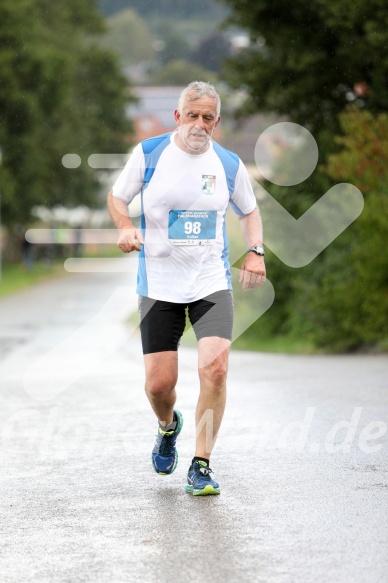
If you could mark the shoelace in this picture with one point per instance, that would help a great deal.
(205, 472)
(167, 443)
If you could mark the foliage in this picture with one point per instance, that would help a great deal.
(212, 51)
(59, 93)
(307, 60)
(181, 72)
(158, 42)
(208, 9)
(339, 302)
(349, 303)
(129, 36)
(363, 158)
(174, 44)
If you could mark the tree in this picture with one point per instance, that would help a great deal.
(308, 60)
(212, 51)
(363, 155)
(129, 36)
(59, 93)
(171, 9)
(174, 44)
(348, 303)
(181, 72)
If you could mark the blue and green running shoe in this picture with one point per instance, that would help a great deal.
(199, 480)
(164, 454)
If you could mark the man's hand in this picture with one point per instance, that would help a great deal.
(130, 240)
(252, 272)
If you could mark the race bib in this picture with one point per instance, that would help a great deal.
(192, 227)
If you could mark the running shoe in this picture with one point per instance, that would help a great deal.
(164, 454)
(199, 480)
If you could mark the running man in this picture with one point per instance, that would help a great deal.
(186, 182)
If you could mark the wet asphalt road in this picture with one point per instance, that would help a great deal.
(301, 457)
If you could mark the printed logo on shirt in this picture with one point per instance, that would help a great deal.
(208, 183)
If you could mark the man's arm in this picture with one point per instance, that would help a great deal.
(252, 272)
(130, 237)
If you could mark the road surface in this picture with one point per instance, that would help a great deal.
(301, 457)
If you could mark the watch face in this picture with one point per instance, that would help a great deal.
(259, 249)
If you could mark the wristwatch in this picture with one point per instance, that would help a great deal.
(258, 249)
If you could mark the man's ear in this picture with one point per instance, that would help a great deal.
(177, 117)
(218, 121)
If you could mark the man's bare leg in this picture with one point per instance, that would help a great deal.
(213, 354)
(161, 378)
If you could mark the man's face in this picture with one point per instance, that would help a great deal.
(196, 124)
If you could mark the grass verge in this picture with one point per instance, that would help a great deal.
(285, 344)
(16, 277)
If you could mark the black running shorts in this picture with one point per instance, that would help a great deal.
(163, 323)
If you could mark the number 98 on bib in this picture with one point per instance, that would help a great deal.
(192, 227)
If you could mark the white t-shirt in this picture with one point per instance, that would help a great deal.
(184, 201)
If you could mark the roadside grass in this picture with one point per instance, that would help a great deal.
(103, 251)
(280, 344)
(286, 344)
(16, 277)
